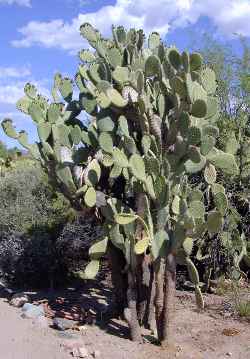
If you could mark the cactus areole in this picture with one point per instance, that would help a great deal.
(152, 113)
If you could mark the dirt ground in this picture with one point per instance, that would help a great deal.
(215, 333)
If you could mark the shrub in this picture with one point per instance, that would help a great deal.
(46, 255)
(32, 215)
(26, 260)
(74, 241)
(26, 199)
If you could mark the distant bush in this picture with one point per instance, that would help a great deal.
(27, 200)
(41, 242)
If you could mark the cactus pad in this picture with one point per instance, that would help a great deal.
(210, 174)
(214, 222)
(197, 209)
(194, 135)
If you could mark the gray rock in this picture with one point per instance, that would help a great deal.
(63, 324)
(32, 311)
(19, 299)
(80, 352)
(188, 285)
(66, 335)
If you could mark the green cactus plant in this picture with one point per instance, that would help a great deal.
(150, 126)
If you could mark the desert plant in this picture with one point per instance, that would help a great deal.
(152, 122)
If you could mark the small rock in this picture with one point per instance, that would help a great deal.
(65, 335)
(80, 352)
(63, 324)
(188, 285)
(19, 299)
(229, 354)
(31, 311)
(96, 354)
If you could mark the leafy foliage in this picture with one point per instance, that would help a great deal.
(27, 200)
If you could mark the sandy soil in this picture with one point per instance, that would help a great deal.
(22, 339)
(198, 335)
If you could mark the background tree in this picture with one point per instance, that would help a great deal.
(232, 69)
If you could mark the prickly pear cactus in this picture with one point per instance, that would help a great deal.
(152, 113)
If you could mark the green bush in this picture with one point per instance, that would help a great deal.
(27, 200)
(32, 215)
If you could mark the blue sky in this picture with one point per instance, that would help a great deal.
(40, 37)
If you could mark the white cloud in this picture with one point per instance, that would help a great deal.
(55, 33)
(11, 91)
(228, 15)
(9, 94)
(14, 72)
(18, 2)
(17, 117)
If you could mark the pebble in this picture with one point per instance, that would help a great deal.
(19, 299)
(32, 311)
(63, 324)
(229, 354)
(80, 352)
(65, 335)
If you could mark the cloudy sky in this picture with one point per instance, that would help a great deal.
(40, 37)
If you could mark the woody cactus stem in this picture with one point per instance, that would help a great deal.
(119, 281)
(165, 298)
(143, 272)
(130, 313)
(159, 297)
(169, 301)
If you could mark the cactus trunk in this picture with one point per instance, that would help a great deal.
(169, 301)
(130, 312)
(119, 282)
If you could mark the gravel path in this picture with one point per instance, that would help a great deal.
(198, 336)
(22, 339)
